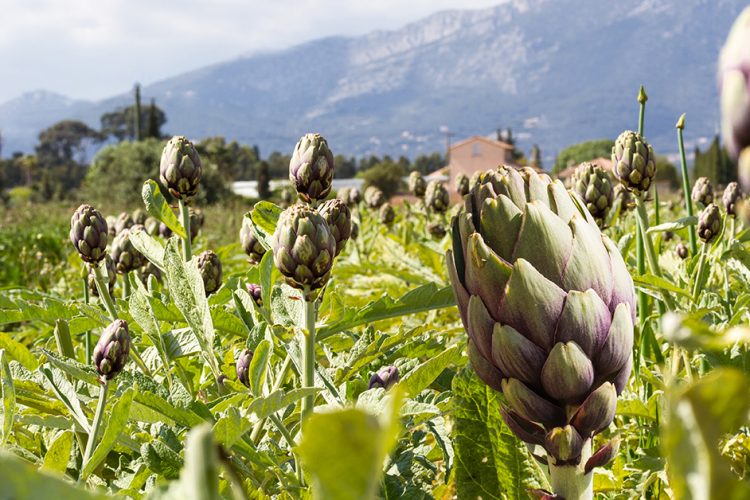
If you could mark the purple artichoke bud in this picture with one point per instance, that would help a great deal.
(386, 378)
(149, 269)
(603, 455)
(592, 183)
(243, 367)
(255, 292)
(139, 217)
(124, 254)
(417, 184)
(343, 194)
(374, 197)
(682, 251)
(112, 350)
(89, 233)
(355, 197)
(355, 231)
(624, 197)
(111, 221)
(196, 222)
(180, 169)
(634, 161)
(734, 86)
(709, 223)
(564, 444)
(387, 214)
(732, 194)
(124, 221)
(111, 276)
(703, 192)
(311, 168)
(436, 197)
(250, 243)
(339, 219)
(304, 249)
(152, 226)
(462, 184)
(164, 231)
(209, 266)
(436, 230)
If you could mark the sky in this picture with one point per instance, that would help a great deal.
(91, 49)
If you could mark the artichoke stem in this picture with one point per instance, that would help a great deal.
(308, 362)
(186, 244)
(653, 262)
(686, 190)
(126, 286)
(699, 280)
(87, 336)
(276, 386)
(96, 424)
(569, 481)
(103, 288)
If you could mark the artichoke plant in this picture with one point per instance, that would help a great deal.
(355, 231)
(196, 222)
(462, 184)
(89, 233)
(242, 367)
(256, 293)
(436, 197)
(124, 254)
(355, 197)
(304, 249)
(112, 350)
(139, 217)
(386, 378)
(709, 223)
(111, 277)
(624, 197)
(592, 183)
(339, 219)
(417, 184)
(250, 243)
(703, 192)
(549, 308)
(149, 269)
(734, 86)
(180, 168)
(343, 194)
(124, 221)
(209, 265)
(374, 197)
(436, 230)
(387, 214)
(732, 194)
(634, 161)
(682, 251)
(311, 168)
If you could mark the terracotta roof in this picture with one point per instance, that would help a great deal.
(605, 163)
(491, 142)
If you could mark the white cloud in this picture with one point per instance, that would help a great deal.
(95, 48)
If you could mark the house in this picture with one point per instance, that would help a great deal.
(477, 154)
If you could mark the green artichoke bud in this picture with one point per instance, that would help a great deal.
(124, 221)
(436, 230)
(436, 197)
(164, 231)
(623, 197)
(682, 251)
(111, 221)
(339, 219)
(111, 276)
(124, 254)
(417, 184)
(462, 184)
(709, 223)
(732, 194)
(89, 233)
(734, 86)
(634, 161)
(387, 214)
(196, 222)
(243, 367)
(112, 350)
(180, 169)
(548, 305)
(374, 197)
(592, 183)
(255, 292)
(304, 249)
(148, 270)
(386, 378)
(209, 266)
(343, 194)
(152, 226)
(250, 243)
(139, 217)
(311, 168)
(355, 197)
(355, 231)
(703, 192)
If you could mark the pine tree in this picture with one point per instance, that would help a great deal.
(138, 117)
(153, 122)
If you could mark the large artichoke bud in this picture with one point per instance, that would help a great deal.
(732, 194)
(374, 197)
(303, 249)
(436, 197)
(111, 277)
(256, 293)
(355, 197)
(436, 230)
(209, 266)
(592, 183)
(549, 308)
(339, 219)
(417, 184)
(386, 378)
(89, 233)
(734, 86)
(709, 223)
(622, 195)
(180, 169)
(242, 367)
(112, 350)
(124, 221)
(703, 192)
(634, 161)
(387, 214)
(462, 184)
(250, 243)
(124, 254)
(311, 168)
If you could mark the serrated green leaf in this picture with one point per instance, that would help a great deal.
(58, 454)
(258, 367)
(422, 376)
(116, 422)
(8, 393)
(19, 352)
(149, 247)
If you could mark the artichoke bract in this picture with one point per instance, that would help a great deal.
(386, 378)
(732, 194)
(703, 191)
(256, 293)
(250, 243)
(112, 350)
(111, 276)
(124, 254)
(374, 197)
(462, 184)
(417, 184)
(209, 266)
(548, 305)
(436, 197)
(709, 223)
(304, 249)
(734, 86)
(592, 183)
(89, 233)
(242, 367)
(339, 219)
(180, 169)
(633, 161)
(387, 214)
(311, 168)
(123, 221)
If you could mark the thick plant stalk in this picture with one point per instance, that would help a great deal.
(653, 261)
(686, 185)
(87, 344)
(699, 280)
(185, 218)
(308, 361)
(643, 309)
(276, 386)
(96, 424)
(101, 285)
(126, 286)
(62, 337)
(570, 481)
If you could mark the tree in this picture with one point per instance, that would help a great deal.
(137, 121)
(536, 157)
(425, 164)
(264, 181)
(154, 128)
(120, 123)
(666, 171)
(583, 151)
(715, 164)
(387, 176)
(344, 168)
(234, 161)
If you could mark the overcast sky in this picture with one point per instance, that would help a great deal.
(95, 48)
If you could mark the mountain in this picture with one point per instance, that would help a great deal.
(556, 71)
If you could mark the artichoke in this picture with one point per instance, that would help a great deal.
(634, 161)
(734, 86)
(243, 367)
(436, 197)
(250, 243)
(256, 293)
(624, 197)
(112, 350)
(304, 249)
(139, 217)
(111, 277)
(124, 221)
(732, 194)
(709, 223)
(196, 222)
(682, 251)
(355, 231)
(180, 169)
(311, 168)
(152, 226)
(355, 197)
(592, 183)
(374, 197)
(111, 221)
(89, 233)
(667, 236)
(148, 270)
(209, 266)
(703, 192)
(462, 184)
(386, 378)
(387, 214)
(548, 305)
(343, 194)
(339, 219)
(164, 231)
(124, 254)
(436, 230)
(417, 184)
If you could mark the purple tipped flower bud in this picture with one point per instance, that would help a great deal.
(703, 192)
(386, 377)
(339, 219)
(311, 168)
(112, 350)
(180, 169)
(243, 367)
(89, 233)
(255, 292)
(250, 243)
(209, 266)
(709, 223)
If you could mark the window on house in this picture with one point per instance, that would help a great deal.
(476, 150)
